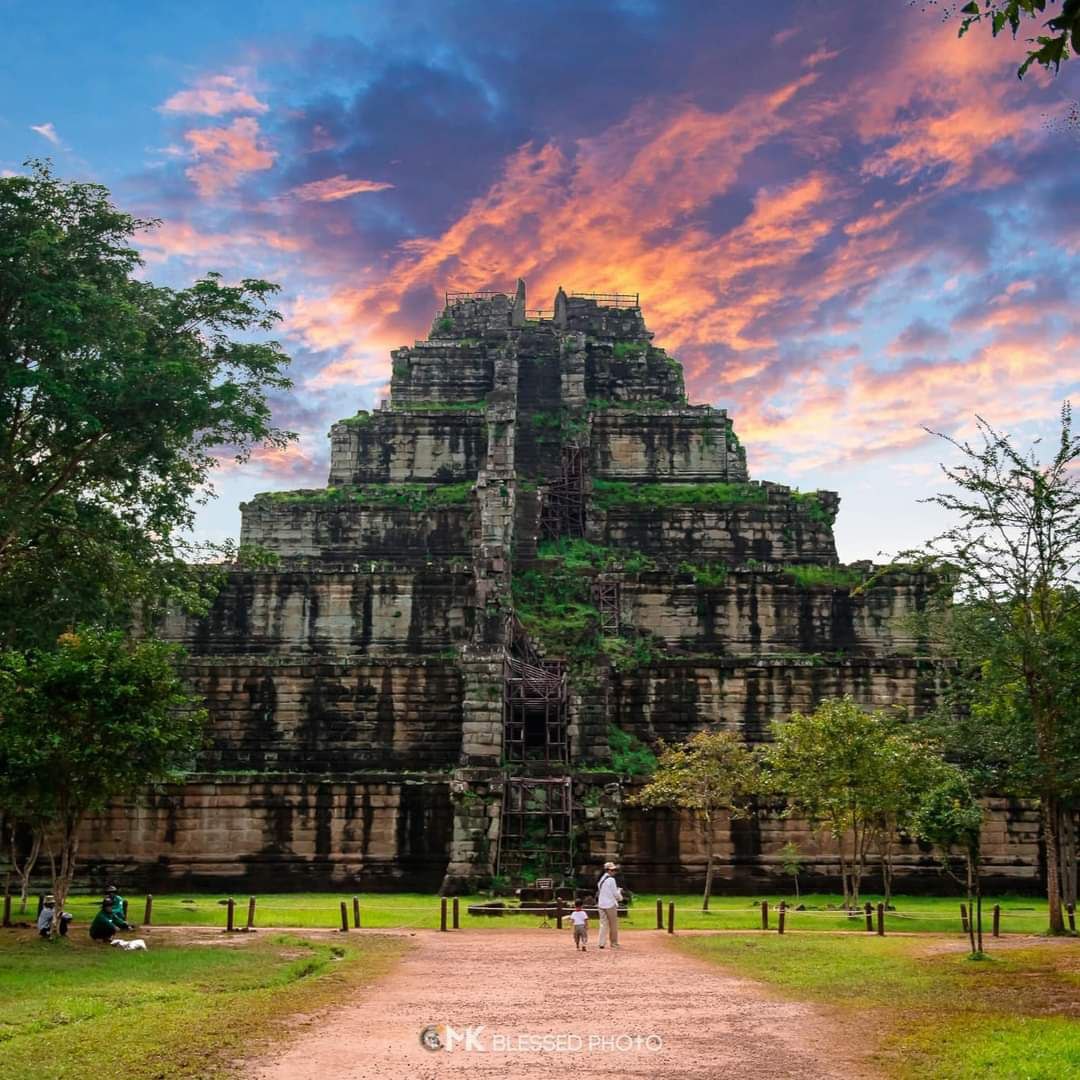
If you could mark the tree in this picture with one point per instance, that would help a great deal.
(1011, 561)
(910, 764)
(712, 773)
(1047, 50)
(94, 718)
(856, 774)
(116, 397)
(792, 863)
(950, 817)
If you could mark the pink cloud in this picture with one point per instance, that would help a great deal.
(336, 187)
(224, 155)
(215, 95)
(181, 239)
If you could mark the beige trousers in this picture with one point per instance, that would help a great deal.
(609, 926)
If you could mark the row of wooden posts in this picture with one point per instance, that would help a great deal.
(450, 915)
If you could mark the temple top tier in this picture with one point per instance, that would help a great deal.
(612, 316)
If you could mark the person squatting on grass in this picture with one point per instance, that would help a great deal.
(579, 918)
(46, 915)
(608, 896)
(107, 922)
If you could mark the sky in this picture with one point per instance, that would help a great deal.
(849, 225)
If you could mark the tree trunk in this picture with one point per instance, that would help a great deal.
(62, 879)
(708, 878)
(970, 904)
(844, 876)
(978, 907)
(1049, 807)
(23, 873)
(1067, 843)
(887, 869)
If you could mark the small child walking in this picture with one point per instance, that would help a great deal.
(580, 919)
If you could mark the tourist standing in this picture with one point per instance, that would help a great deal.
(608, 897)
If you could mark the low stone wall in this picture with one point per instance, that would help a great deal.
(761, 612)
(285, 714)
(672, 700)
(780, 531)
(664, 851)
(351, 532)
(394, 447)
(266, 611)
(275, 833)
(691, 444)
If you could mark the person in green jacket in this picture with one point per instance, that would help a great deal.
(112, 894)
(106, 922)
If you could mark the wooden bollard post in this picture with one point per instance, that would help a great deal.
(230, 914)
(148, 911)
(997, 920)
(780, 917)
(659, 914)
(764, 914)
(356, 912)
(251, 914)
(457, 915)
(1071, 911)
(40, 902)
(442, 914)
(558, 912)
(964, 917)
(125, 910)
(671, 918)
(881, 920)
(344, 917)
(869, 911)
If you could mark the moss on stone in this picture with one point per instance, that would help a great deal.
(611, 494)
(407, 496)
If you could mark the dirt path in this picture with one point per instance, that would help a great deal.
(533, 983)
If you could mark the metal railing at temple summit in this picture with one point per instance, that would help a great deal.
(627, 300)
(482, 294)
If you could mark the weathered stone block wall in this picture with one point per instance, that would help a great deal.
(282, 714)
(473, 317)
(672, 700)
(441, 371)
(664, 850)
(394, 447)
(301, 611)
(779, 532)
(597, 320)
(275, 833)
(348, 532)
(639, 374)
(760, 612)
(684, 445)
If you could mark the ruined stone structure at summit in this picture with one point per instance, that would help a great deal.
(534, 561)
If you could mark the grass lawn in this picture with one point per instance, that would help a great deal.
(931, 1012)
(77, 1009)
(418, 910)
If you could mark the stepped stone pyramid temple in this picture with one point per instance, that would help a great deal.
(529, 566)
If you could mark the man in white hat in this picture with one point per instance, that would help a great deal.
(608, 896)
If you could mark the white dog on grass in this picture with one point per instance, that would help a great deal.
(129, 946)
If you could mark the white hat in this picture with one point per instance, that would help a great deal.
(610, 866)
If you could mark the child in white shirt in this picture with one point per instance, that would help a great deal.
(580, 920)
